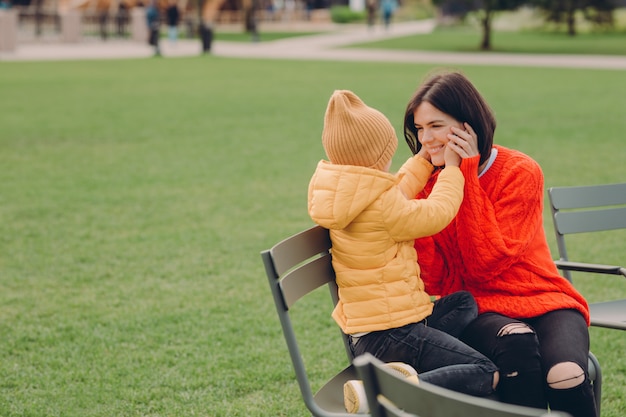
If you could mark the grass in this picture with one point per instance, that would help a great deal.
(136, 195)
(263, 35)
(468, 39)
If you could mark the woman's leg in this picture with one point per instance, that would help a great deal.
(513, 346)
(439, 358)
(452, 313)
(564, 346)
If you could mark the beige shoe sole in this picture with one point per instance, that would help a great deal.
(354, 398)
(403, 369)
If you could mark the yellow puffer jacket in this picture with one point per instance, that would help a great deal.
(372, 226)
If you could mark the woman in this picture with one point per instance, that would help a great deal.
(532, 322)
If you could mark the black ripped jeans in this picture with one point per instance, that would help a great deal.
(524, 359)
(432, 348)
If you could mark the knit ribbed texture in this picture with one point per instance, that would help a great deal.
(496, 246)
(356, 134)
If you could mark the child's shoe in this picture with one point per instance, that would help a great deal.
(354, 397)
(403, 369)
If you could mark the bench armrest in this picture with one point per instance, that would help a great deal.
(595, 268)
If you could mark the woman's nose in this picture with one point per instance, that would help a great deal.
(426, 136)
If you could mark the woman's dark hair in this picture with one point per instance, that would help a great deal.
(453, 94)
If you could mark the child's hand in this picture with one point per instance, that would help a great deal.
(424, 154)
(451, 156)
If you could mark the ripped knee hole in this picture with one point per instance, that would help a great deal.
(565, 375)
(514, 328)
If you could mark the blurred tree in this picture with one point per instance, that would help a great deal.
(598, 12)
(485, 10)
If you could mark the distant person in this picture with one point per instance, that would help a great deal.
(270, 10)
(153, 18)
(251, 20)
(388, 8)
(289, 9)
(308, 9)
(172, 14)
(371, 13)
(121, 18)
(103, 17)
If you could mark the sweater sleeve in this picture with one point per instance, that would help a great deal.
(408, 219)
(494, 232)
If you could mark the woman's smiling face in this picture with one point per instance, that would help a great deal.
(433, 127)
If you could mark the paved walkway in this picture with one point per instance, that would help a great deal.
(326, 46)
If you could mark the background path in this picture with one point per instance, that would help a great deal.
(326, 46)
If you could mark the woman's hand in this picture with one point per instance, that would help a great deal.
(463, 141)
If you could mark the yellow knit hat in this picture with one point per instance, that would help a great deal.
(356, 134)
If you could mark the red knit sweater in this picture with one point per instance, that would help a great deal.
(496, 247)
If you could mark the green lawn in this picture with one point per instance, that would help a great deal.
(263, 35)
(136, 195)
(468, 39)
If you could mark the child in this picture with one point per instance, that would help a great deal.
(382, 303)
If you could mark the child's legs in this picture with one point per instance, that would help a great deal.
(439, 358)
(453, 313)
